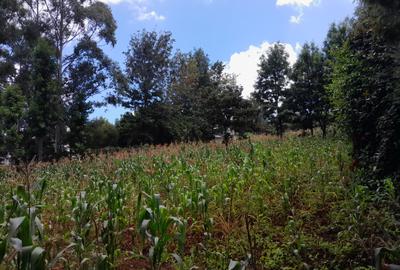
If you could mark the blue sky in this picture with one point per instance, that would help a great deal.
(234, 31)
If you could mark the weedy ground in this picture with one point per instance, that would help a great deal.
(262, 203)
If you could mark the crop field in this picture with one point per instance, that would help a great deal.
(262, 203)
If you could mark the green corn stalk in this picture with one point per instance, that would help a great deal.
(25, 231)
(180, 236)
(115, 211)
(82, 212)
(155, 222)
(203, 200)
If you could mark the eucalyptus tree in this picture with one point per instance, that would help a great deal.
(73, 29)
(82, 24)
(90, 72)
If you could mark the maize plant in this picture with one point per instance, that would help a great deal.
(155, 222)
(302, 209)
(180, 237)
(114, 218)
(82, 212)
(21, 246)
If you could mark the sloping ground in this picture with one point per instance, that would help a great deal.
(290, 204)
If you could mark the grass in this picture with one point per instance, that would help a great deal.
(263, 204)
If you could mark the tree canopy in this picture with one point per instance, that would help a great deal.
(271, 85)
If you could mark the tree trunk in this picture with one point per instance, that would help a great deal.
(323, 128)
(57, 133)
(40, 148)
(280, 128)
(57, 139)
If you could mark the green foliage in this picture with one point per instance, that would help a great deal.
(101, 134)
(25, 230)
(12, 105)
(156, 124)
(155, 222)
(44, 108)
(305, 205)
(56, 86)
(231, 111)
(193, 100)
(336, 37)
(192, 94)
(89, 74)
(365, 94)
(271, 86)
(302, 209)
(308, 101)
(114, 219)
(81, 215)
(147, 67)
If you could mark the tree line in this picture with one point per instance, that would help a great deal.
(52, 66)
(351, 84)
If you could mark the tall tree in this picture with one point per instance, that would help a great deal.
(155, 124)
(44, 107)
(10, 31)
(190, 95)
(90, 73)
(366, 90)
(382, 17)
(308, 99)
(12, 112)
(71, 21)
(148, 76)
(336, 37)
(62, 23)
(271, 84)
(148, 61)
(232, 112)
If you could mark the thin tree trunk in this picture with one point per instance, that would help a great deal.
(40, 148)
(280, 129)
(57, 135)
(323, 128)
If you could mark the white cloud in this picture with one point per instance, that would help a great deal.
(145, 15)
(140, 8)
(304, 3)
(299, 5)
(296, 19)
(113, 2)
(245, 64)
